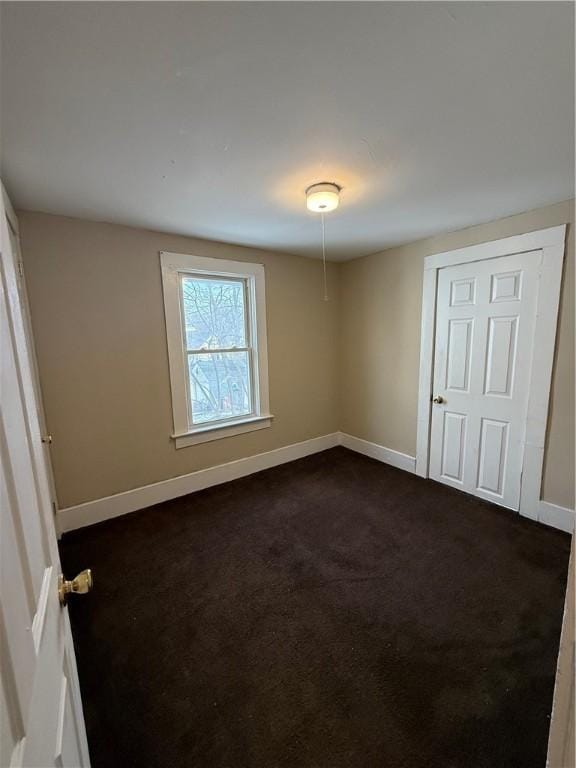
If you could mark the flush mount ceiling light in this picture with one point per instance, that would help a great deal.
(322, 198)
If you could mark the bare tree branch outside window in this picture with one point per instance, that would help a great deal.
(219, 358)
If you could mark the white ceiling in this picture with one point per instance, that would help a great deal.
(210, 119)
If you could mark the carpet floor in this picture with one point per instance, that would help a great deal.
(333, 612)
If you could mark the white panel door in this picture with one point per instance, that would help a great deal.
(485, 320)
(41, 713)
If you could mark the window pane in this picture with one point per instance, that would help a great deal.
(219, 386)
(214, 313)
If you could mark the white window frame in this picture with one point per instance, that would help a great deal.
(174, 265)
(551, 242)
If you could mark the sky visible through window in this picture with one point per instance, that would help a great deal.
(218, 363)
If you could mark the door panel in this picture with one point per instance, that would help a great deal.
(459, 354)
(462, 292)
(501, 356)
(454, 447)
(485, 319)
(506, 286)
(493, 450)
(41, 727)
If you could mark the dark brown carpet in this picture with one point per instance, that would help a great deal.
(329, 613)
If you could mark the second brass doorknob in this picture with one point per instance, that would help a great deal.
(438, 400)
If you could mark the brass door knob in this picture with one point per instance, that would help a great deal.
(79, 586)
(438, 400)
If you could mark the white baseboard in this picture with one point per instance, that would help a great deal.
(558, 517)
(375, 451)
(546, 513)
(98, 510)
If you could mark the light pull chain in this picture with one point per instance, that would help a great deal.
(324, 257)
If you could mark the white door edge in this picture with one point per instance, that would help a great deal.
(552, 243)
(42, 720)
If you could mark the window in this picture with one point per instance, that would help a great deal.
(216, 328)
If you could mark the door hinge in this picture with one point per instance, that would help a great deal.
(21, 268)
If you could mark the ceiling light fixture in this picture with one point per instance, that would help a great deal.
(323, 198)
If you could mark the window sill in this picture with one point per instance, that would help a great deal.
(216, 432)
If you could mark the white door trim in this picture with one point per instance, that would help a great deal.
(551, 242)
(9, 210)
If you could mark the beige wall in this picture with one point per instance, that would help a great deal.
(381, 299)
(97, 311)
(98, 319)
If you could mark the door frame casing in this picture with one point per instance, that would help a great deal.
(551, 242)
